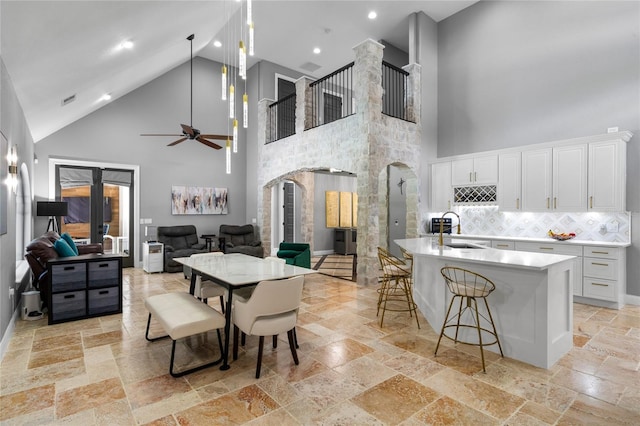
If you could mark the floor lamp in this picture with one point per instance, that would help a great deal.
(53, 209)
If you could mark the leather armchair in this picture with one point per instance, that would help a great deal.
(240, 239)
(40, 251)
(179, 241)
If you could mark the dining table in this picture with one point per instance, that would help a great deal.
(235, 271)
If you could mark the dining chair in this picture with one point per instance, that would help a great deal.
(272, 309)
(205, 289)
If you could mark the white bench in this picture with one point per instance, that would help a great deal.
(182, 315)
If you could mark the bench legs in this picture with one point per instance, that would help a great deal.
(173, 352)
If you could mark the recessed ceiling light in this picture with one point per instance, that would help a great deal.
(105, 97)
(372, 15)
(127, 44)
(316, 50)
(217, 43)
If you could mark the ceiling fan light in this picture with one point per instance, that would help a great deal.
(235, 135)
(232, 104)
(224, 82)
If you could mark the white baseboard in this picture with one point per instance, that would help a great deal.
(630, 299)
(323, 252)
(8, 334)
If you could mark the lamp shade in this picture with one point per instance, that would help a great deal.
(51, 208)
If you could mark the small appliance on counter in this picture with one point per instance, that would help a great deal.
(446, 225)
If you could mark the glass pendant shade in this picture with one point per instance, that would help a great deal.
(242, 54)
(232, 104)
(249, 12)
(228, 152)
(245, 111)
(235, 135)
(224, 82)
(251, 39)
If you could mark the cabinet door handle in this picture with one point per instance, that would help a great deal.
(546, 248)
(600, 252)
(517, 203)
(69, 268)
(69, 296)
(475, 176)
(103, 265)
(555, 203)
(502, 245)
(599, 264)
(547, 202)
(591, 202)
(103, 292)
(470, 179)
(600, 285)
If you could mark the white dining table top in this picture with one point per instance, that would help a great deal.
(240, 269)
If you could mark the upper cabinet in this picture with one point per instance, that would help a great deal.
(536, 180)
(510, 181)
(482, 170)
(441, 190)
(607, 176)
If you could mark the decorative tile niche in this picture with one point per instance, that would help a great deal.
(587, 226)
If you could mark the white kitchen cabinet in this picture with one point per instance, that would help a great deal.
(441, 189)
(555, 179)
(607, 176)
(510, 181)
(605, 274)
(481, 170)
(559, 248)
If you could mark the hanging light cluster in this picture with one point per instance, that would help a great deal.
(236, 35)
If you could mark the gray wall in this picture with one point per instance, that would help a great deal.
(518, 73)
(112, 135)
(323, 236)
(14, 126)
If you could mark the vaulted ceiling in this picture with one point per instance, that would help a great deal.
(57, 49)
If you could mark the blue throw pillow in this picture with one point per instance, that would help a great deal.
(70, 241)
(63, 249)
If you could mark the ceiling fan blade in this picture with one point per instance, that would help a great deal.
(218, 137)
(208, 143)
(188, 130)
(178, 141)
(159, 134)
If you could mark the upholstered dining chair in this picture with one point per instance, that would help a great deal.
(205, 289)
(272, 309)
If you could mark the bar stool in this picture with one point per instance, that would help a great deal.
(395, 286)
(468, 286)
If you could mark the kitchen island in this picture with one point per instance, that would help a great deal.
(532, 304)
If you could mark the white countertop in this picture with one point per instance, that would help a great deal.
(488, 256)
(548, 240)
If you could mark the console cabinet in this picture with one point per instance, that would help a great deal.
(84, 286)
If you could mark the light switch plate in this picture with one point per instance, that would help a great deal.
(612, 227)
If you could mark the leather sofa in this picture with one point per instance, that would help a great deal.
(240, 239)
(179, 241)
(298, 254)
(40, 251)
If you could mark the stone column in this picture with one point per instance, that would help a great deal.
(303, 104)
(264, 211)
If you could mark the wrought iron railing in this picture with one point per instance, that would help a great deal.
(281, 118)
(332, 97)
(394, 89)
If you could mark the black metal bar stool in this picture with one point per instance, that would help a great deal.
(469, 286)
(396, 286)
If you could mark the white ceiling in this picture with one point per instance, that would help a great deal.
(55, 49)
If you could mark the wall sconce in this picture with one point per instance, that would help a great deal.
(12, 159)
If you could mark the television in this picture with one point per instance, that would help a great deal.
(79, 210)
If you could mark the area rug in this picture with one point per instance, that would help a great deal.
(336, 265)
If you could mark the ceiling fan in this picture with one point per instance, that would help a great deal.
(188, 131)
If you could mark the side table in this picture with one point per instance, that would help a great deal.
(208, 238)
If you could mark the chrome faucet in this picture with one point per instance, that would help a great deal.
(440, 239)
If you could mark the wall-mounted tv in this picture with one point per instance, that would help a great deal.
(79, 209)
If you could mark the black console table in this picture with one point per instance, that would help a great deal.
(84, 286)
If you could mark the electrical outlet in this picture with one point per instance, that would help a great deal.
(612, 129)
(612, 227)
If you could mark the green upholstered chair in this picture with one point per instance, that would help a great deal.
(298, 254)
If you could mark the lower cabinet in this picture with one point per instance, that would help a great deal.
(604, 274)
(84, 286)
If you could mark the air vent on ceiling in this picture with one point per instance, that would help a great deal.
(310, 66)
(68, 100)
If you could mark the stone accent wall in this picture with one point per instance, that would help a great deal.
(364, 143)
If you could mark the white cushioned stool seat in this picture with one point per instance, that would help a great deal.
(182, 315)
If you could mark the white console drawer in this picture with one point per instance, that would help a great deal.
(503, 245)
(600, 268)
(603, 252)
(599, 289)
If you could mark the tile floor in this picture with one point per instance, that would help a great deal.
(103, 371)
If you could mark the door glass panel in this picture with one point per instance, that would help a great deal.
(75, 185)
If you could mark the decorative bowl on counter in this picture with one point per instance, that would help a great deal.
(561, 237)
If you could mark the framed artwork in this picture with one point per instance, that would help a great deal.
(331, 208)
(345, 210)
(198, 200)
(354, 211)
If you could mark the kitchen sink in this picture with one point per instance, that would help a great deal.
(464, 246)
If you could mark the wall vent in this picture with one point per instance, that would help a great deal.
(68, 100)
